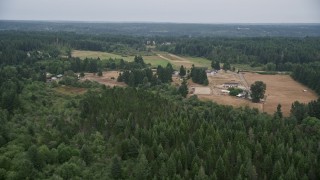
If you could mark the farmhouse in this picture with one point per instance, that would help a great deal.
(230, 84)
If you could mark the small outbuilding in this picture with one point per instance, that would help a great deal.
(225, 91)
(230, 84)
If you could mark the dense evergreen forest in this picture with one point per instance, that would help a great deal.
(281, 53)
(140, 132)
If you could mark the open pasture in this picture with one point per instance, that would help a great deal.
(281, 89)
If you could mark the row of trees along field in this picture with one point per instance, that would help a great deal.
(199, 75)
(138, 73)
(134, 76)
(280, 52)
(308, 74)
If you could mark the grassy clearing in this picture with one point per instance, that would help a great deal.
(155, 61)
(198, 61)
(186, 61)
(102, 55)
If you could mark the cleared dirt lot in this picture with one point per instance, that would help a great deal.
(281, 89)
(109, 78)
(216, 82)
(201, 90)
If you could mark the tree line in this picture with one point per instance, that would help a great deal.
(308, 74)
(279, 52)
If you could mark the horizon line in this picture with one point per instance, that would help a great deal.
(159, 22)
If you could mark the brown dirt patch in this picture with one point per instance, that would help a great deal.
(201, 90)
(281, 89)
(109, 78)
(216, 82)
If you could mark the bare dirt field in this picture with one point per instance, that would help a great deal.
(201, 90)
(281, 89)
(109, 78)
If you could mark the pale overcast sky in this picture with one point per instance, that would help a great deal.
(185, 11)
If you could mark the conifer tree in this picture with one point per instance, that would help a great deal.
(183, 89)
(116, 169)
(182, 71)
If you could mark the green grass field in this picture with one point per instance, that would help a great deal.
(198, 61)
(153, 60)
(102, 55)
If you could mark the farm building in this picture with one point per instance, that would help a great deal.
(241, 95)
(225, 91)
(211, 72)
(230, 84)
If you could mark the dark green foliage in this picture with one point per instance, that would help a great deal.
(35, 157)
(86, 154)
(226, 66)
(136, 77)
(234, 91)
(220, 169)
(69, 170)
(116, 169)
(308, 74)
(298, 110)
(142, 170)
(182, 71)
(258, 89)
(183, 89)
(216, 65)
(165, 74)
(138, 63)
(199, 75)
(139, 60)
(278, 113)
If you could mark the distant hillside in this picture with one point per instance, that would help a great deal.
(168, 29)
